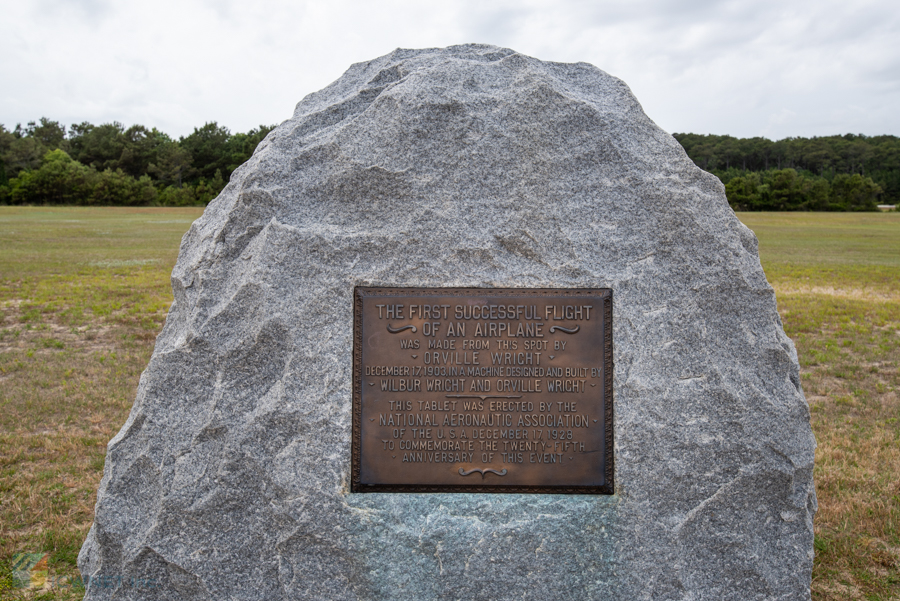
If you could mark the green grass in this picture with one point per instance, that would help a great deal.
(84, 291)
(837, 278)
(825, 240)
(80, 264)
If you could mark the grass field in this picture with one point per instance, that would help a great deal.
(837, 277)
(83, 293)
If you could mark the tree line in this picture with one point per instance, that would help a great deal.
(832, 173)
(47, 163)
(85, 164)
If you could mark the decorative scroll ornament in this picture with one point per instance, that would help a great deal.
(463, 472)
(393, 330)
(566, 330)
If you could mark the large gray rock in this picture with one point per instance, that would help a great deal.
(465, 166)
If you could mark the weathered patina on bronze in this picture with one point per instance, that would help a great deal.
(482, 390)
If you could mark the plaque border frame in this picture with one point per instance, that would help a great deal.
(361, 292)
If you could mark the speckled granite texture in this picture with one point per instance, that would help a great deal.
(465, 166)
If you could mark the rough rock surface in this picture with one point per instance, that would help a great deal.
(465, 166)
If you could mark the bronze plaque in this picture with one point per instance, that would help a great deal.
(482, 390)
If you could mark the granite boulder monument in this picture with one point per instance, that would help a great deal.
(492, 192)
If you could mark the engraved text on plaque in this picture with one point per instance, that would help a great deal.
(482, 390)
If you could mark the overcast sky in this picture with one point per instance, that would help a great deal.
(773, 68)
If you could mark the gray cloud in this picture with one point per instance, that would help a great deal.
(747, 68)
(83, 9)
